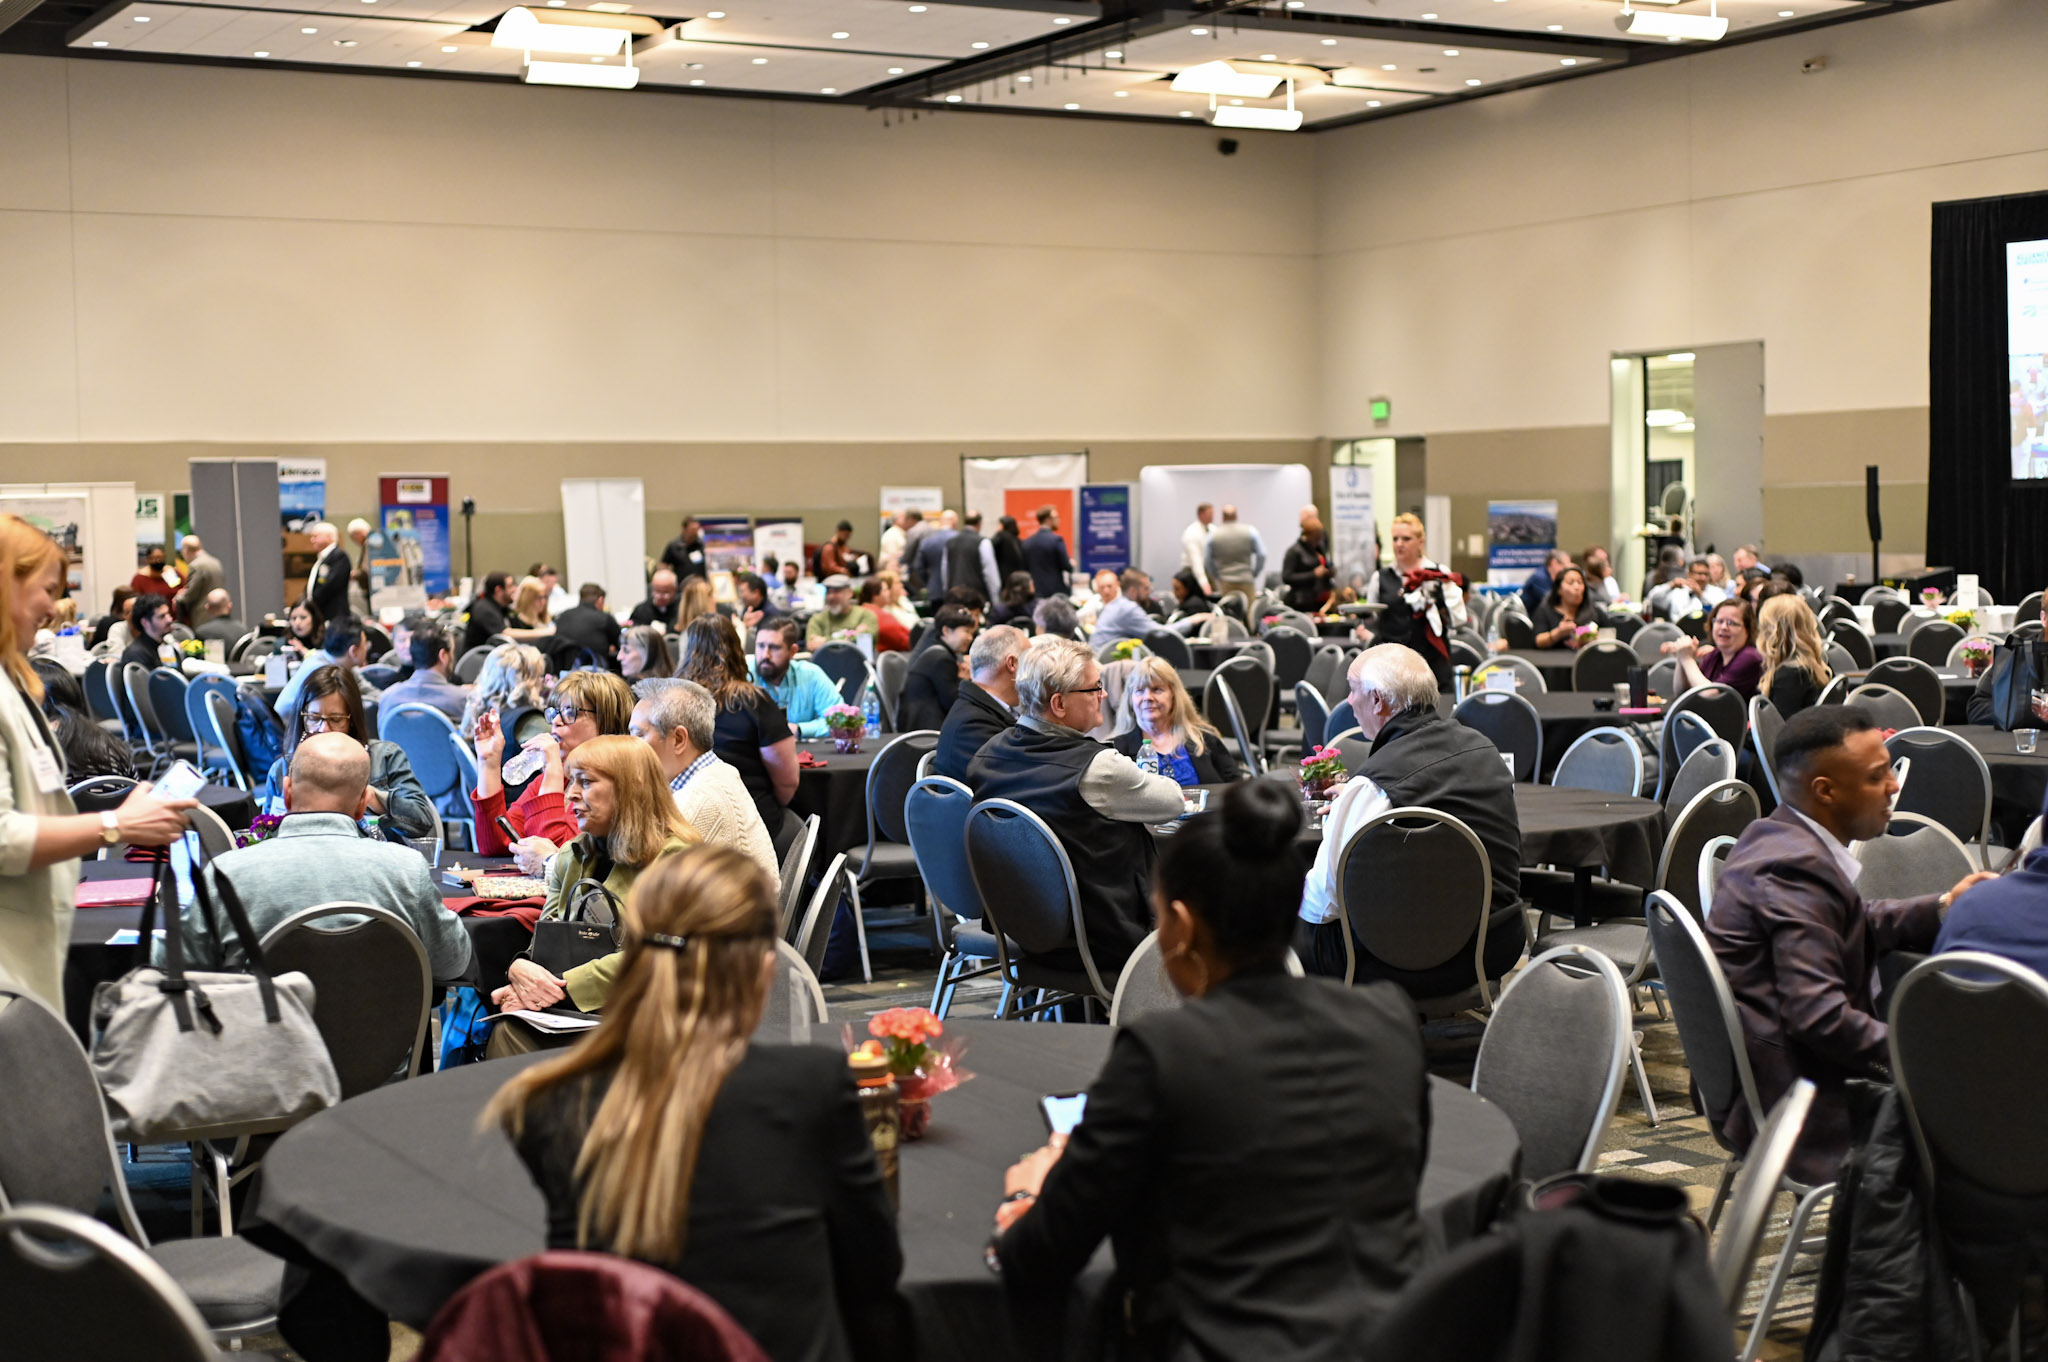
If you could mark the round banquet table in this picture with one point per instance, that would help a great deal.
(1208, 657)
(837, 792)
(1554, 663)
(1583, 830)
(394, 1200)
(1566, 717)
(2019, 784)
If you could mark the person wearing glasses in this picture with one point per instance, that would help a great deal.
(332, 702)
(1094, 798)
(585, 705)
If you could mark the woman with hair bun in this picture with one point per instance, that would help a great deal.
(1255, 1154)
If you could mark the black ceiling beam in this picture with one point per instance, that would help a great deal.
(1072, 50)
(1407, 31)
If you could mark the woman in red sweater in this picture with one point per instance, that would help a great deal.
(585, 705)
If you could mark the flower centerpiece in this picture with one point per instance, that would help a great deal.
(1128, 649)
(905, 1037)
(1320, 771)
(1965, 620)
(1930, 596)
(846, 723)
(1976, 655)
(260, 829)
(193, 647)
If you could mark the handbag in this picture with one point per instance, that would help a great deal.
(577, 938)
(189, 1055)
(2017, 670)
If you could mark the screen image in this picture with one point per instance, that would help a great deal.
(2026, 344)
(1063, 1111)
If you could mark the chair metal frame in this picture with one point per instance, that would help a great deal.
(956, 965)
(794, 871)
(1908, 738)
(1650, 639)
(29, 1230)
(1601, 648)
(1753, 1193)
(303, 920)
(815, 932)
(1585, 957)
(800, 968)
(1713, 856)
(1415, 814)
(1012, 968)
(864, 875)
(1880, 673)
(1249, 750)
(1526, 673)
(1603, 737)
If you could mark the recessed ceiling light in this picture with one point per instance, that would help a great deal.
(1372, 104)
(1329, 42)
(829, 90)
(715, 14)
(1471, 82)
(1026, 80)
(696, 82)
(102, 43)
(1113, 55)
(760, 61)
(447, 49)
(1390, 67)
(1238, 102)
(1199, 32)
(262, 54)
(842, 35)
(1553, 28)
(142, 18)
(1297, 4)
(977, 46)
(344, 42)
(1063, 19)
(917, 9)
(1070, 107)
(1450, 52)
(895, 70)
(952, 99)
(1120, 94)
(1567, 61)
(414, 63)
(1185, 114)
(1269, 56)
(309, 30)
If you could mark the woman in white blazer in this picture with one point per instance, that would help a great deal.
(42, 835)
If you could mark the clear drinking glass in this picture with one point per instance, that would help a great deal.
(2023, 739)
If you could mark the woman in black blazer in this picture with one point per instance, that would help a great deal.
(780, 1214)
(933, 682)
(1254, 1156)
(1186, 745)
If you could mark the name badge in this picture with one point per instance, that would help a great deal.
(49, 778)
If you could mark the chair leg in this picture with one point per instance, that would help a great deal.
(860, 928)
(1003, 1003)
(1635, 1059)
(1722, 1185)
(942, 987)
(1794, 1245)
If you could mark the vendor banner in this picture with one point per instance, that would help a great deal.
(728, 543)
(779, 542)
(1354, 533)
(1519, 536)
(411, 548)
(1106, 531)
(301, 492)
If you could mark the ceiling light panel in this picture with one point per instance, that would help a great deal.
(1577, 18)
(776, 70)
(933, 30)
(1415, 66)
(1148, 94)
(206, 31)
(464, 12)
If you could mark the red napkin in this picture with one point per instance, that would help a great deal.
(526, 910)
(809, 761)
(114, 893)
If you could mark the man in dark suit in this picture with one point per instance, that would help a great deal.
(485, 617)
(986, 703)
(1046, 557)
(327, 583)
(1796, 940)
(590, 625)
(662, 599)
(933, 683)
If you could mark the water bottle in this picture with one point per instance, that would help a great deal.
(525, 765)
(871, 708)
(1148, 758)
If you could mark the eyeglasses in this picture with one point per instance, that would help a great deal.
(313, 721)
(1097, 689)
(565, 714)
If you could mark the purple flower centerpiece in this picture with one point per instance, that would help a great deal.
(260, 829)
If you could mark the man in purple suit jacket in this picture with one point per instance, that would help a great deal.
(1796, 940)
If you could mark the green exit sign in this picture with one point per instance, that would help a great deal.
(1382, 409)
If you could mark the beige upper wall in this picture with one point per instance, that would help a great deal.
(1481, 262)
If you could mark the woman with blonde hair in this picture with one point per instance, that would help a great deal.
(1795, 658)
(666, 1136)
(42, 835)
(626, 819)
(697, 599)
(585, 705)
(530, 609)
(1159, 710)
(514, 678)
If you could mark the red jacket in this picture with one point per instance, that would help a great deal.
(533, 814)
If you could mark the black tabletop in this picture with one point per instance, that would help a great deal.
(1210, 656)
(837, 792)
(1566, 716)
(2019, 782)
(400, 1193)
(1575, 828)
(1554, 663)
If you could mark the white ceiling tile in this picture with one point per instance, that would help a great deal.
(773, 70)
(919, 27)
(1574, 18)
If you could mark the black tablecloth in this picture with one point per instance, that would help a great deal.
(236, 808)
(1888, 645)
(1584, 829)
(1210, 656)
(400, 1194)
(1554, 663)
(1566, 716)
(837, 792)
(2019, 784)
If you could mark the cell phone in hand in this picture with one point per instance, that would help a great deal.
(1062, 1111)
(182, 780)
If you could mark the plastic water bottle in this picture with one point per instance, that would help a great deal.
(1148, 758)
(871, 708)
(526, 764)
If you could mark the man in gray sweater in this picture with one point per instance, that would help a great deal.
(1237, 556)
(320, 855)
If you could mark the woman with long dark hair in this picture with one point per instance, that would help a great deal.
(89, 750)
(1567, 610)
(751, 732)
(332, 702)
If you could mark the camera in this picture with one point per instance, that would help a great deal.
(1227, 145)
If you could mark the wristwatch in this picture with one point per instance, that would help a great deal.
(110, 828)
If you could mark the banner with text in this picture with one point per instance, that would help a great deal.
(1021, 486)
(728, 543)
(1106, 530)
(1519, 535)
(1354, 533)
(301, 492)
(780, 540)
(411, 548)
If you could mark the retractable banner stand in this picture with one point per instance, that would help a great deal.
(781, 540)
(1021, 486)
(301, 492)
(410, 552)
(1351, 523)
(1519, 536)
(1107, 531)
(604, 525)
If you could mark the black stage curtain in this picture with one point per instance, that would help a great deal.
(1977, 516)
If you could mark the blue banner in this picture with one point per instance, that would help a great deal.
(411, 549)
(1105, 538)
(1519, 536)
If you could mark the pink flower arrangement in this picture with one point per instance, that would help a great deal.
(904, 1036)
(844, 716)
(1322, 766)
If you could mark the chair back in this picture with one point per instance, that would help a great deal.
(1665, 679)
(1713, 859)
(1836, 691)
(1292, 650)
(135, 687)
(1326, 666)
(1511, 722)
(1848, 635)
(1171, 646)
(1553, 1057)
(1880, 592)
(226, 735)
(55, 1150)
(167, 690)
(1465, 653)
(1932, 641)
(1143, 986)
(1605, 759)
(372, 987)
(1917, 681)
(2028, 610)
(1840, 659)
(935, 817)
(1261, 652)
(2030, 632)
(1723, 809)
(889, 780)
(1916, 855)
(471, 664)
(1702, 1007)
(97, 794)
(99, 695)
(72, 1290)
(210, 755)
(1688, 731)
(1650, 640)
(796, 870)
(1756, 1189)
(215, 838)
(423, 732)
(1412, 886)
(1712, 762)
(846, 665)
(1311, 710)
(1834, 608)
(1950, 781)
(1341, 720)
(1625, 624)
(1888, 614)
(1026, 883)
(1528, 676)
(1721, 706)
(1886, 707)
(1602, 665)
(1969, 1050)
(1516, 629)
(814, 931)
(1251, 684)
(1222, 707)
(892, 669)
(795, 1003)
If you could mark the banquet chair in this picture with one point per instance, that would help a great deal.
(1755, 1191)
(846, 665)
(1932, 640)
(2028, 610)
(1840, 659)
(149, 729)
(887, 854)
(1341, 720)
(1849, 636)
(814, 931)
(1517, 630)
(58, 1152)
(212, 757)
(795, 861)
(1528, 676)
(225, 734)
(1834, 608)
(1143, 987)
(372, 988)
(471, 664)
(1325, 667)
(167, 693)
(1887, 707)
(1836, 691)
(1880, 592)
(1414, 886)
(1605, 759)
(95, 794)
(1969, 1052)
(1292, 651)
(1764, 723)
(1713, 860)
(1650, 640)
(1251, 685)
(73, 1290)
(935, 818)
(1465, 653)
(1720, 705)
(1625, 624)
(1602, 665)
(794, 1002)
(1221, 705)
(1553, 1056)
(892, 670)
(1171, 646)
(1710, 1031)
(215, 837)
(1918, 681)
(1688, 731)
(99, 696)
(1512, 724)
(385, 677)
(1951, 782)
(1312, 713)
(1666, 680)
(1888, 614)
(1710, 763)
(445, 773)
(1029, 897)
(1916, 855)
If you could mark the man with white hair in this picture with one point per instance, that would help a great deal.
(327, 583)
(676, 719)
(1419, 758)
(1095, 799)
(986, 703)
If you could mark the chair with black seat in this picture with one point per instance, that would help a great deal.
(147, 738)
(846, 665)
(168, 690)
(1849, 635)
(1949, 782)
(1720, 705)
(1836, 691)
(73, 1290)
(935, 819)
(2029, 632)
(1918, 681)
(224, 733)
(1414, 889)
(796, 843)
(1834, 608)
(1171, 646)
(58, 1151)
(1665, 679)
(1252, 686)
(246, 649)
(1602, 665)
(1932, 641)
(1553, 1055)
(1887, 707)
(99, 695)
(1755, 1192)
(1888, 614)
(372, 987)
(1465, 653)
(887, 854)
(1710, 1030)
(471, 664)
(1528, 676)
(213, 758)
(794, 1002)
(1708, 764)
(1325, 666)
(1969, 1051)
(892, 670)
(1650, 640)
(1840, 659)
(1606, 759)
(1293, 650)
(1511, 722)
(1878, 591)
(1223, 706)
(1625, 624)
(2028, 610)
(1311, 712)
(1916, 855)
(814, 928)
(1688, 731)
(1030, 900)
(1764, 723)
(385, 677)
(1517, 630)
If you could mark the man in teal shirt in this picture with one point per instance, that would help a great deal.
(800, 686)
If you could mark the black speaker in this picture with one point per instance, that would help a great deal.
(1870, 506)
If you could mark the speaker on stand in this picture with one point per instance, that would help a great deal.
(1874, 515)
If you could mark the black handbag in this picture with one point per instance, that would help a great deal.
(2017, 670)
(586, 931)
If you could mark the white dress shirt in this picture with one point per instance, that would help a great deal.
(1845, 859)
(1194, 554)
(1359, 802)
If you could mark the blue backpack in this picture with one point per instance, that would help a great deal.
(261, 733)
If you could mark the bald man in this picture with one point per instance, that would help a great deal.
(320, 854)
(214, 619)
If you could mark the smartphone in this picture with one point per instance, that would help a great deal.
(182, 780)
(511, 833)
(1062, 1111)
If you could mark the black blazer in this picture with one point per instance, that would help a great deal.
(787, 1209)
(1047, 560)
(976, 717)
(1255, 1157)
(1217, 764)
(328, 589)
(929, 688)
(592, 628)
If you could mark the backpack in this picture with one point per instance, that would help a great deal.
(2017, 669)
(260, 730)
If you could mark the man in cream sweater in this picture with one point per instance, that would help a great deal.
(675, 719)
